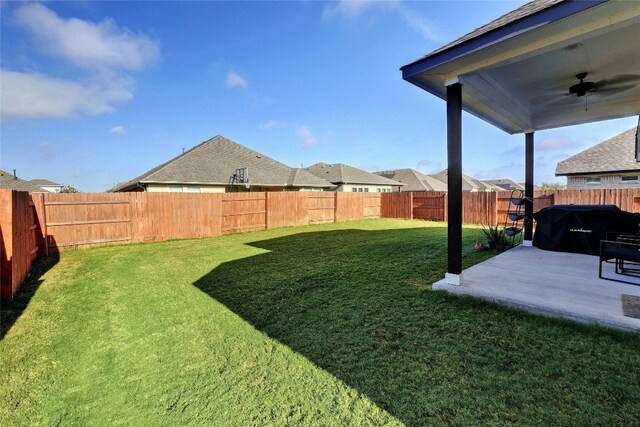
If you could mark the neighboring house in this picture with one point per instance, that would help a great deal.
(535, 187)
(505, 184)
(613, 163)
(12, 182)
(468, 183)
(349, 179)
(50, 186)
(414, 180)
(210, 166)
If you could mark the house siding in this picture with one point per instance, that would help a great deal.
(348, 188)
(194, 188)
(606, 182)
(182, 188)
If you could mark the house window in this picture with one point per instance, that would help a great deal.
(175, 188)
(193, 189)
(379, 190)
(633, 178)
(354, 189)
(593, 181)
(366, 190)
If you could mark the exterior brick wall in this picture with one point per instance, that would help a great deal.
(606, 182)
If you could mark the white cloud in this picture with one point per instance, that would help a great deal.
(418, 23)
(271, 124)
(354, 9)
(87, 44)
(117, 130)
(305, 135)
(105, 51)
(555, 142)
(33, 95)
(235, 80)
(349, 8)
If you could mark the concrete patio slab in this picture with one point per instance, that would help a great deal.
(554, 284)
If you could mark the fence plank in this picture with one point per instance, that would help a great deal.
(287, 208)
(243, 212)
(396, 205)
(428, 205)
(18, 240)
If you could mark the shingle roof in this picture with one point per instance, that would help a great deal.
(616, 154)
(215, 160)
(505, 184)
(9, 182)
(468, 183)
(339, 173)
(522, 12)
(414, 180)
(40, 181)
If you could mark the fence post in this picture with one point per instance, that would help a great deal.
(6, 244)
(267, 205)
(335, 206)
(411, 205)
(445, 216)
(495, 208)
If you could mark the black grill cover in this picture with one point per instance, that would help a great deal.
(579, 228)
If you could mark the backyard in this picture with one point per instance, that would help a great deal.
(331, 324)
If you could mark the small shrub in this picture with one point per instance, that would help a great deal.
(496, 239)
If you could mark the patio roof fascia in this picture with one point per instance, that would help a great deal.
(473, 61)
(546, 16)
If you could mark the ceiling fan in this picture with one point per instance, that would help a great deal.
(583, 87)
(604, 87)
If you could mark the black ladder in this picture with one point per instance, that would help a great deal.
(515, 217)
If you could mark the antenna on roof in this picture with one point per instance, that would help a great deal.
(183, 149)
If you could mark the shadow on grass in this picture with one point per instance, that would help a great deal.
(10, 311)
(358, 304)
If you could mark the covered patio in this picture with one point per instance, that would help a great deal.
(547, 64)
(567, 287)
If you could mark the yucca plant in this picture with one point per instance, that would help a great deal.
(496, 239)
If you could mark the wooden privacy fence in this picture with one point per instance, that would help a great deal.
(490, 208)
(21, 239)
(39, 223)
(92, 219)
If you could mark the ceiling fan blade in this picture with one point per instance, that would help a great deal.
(545, 99)
(623, 78)
(564, 101)
(608, 90)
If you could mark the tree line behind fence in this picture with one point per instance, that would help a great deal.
(39, 223)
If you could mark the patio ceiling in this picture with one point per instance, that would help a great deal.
(517, 75)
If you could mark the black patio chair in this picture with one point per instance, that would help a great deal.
(623, 265)
(619, 252)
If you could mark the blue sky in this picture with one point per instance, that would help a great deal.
(95, 93)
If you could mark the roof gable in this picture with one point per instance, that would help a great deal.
(414, 180)
(214, 161)
(505, 184)
(339, 173)
(617, 154)
(9, 182)
(41, 181)
(468, 183)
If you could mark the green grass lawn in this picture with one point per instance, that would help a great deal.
(332, 324)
